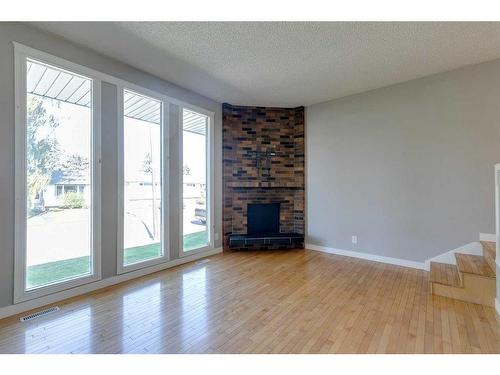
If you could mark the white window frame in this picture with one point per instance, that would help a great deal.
(21, 54)
(209, 176)
(165, 179)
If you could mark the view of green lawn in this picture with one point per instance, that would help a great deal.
(44, 274)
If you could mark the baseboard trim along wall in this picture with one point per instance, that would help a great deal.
(367, 256)
(91, 287)
(473, 248)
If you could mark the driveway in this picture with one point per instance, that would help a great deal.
(64, 234)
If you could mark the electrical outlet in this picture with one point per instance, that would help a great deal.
(354, 239)
(216, 236)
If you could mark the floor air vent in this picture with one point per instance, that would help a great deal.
(39, 314)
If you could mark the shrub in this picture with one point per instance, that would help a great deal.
(73, 200)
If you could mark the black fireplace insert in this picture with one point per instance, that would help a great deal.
(263, 228)
(263, 218)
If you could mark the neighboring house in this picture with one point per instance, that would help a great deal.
(140, 190)
(61, 183)
(192, 188)
(193, 193)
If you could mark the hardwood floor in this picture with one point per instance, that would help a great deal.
(298, 301)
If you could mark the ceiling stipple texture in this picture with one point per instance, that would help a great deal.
(287, 64)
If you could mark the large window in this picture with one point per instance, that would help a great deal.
(55, 186)
(196, 211)
(142, 210)
(58, 174)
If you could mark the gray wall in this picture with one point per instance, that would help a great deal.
(34, 38)
(409, 168)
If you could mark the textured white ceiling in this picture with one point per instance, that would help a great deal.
(283, 63)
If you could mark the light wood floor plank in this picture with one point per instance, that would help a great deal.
(296, 301)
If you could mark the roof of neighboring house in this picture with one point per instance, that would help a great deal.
(60, 177)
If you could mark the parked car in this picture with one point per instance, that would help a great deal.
(200, 214)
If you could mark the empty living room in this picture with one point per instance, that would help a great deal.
(285, 183)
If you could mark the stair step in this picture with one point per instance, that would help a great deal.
(445, 274)
(474, 264)
(490, 248)
(489, 252)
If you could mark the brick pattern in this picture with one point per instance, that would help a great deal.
(279, 178)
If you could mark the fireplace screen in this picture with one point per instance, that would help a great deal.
(263, 218)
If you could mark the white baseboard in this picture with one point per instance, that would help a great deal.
(487, 237)
(65, 294)
(497, 305)
(367, 256)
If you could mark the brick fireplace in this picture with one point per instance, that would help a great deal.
(263, 162)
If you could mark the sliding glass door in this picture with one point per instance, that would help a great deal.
(56, 169)
(195, 189)
(143, 192)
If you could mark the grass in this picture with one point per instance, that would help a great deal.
(47, 273)
(141, 253)
(195, 240)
